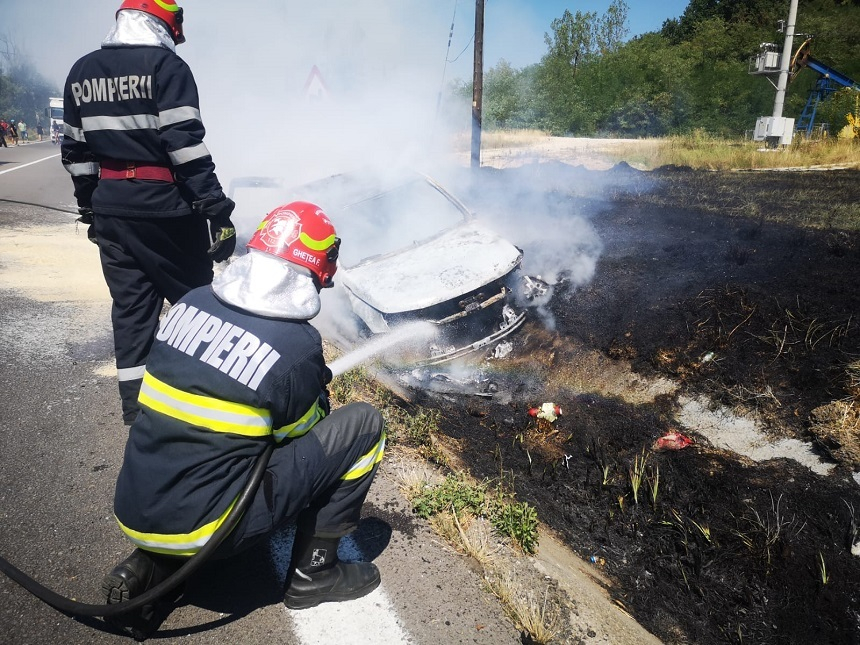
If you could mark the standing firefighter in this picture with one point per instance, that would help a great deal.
(234, 366)
(144, 181)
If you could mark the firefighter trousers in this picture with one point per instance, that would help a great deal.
(319, 480)
(144, 262)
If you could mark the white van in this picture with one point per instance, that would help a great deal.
(54, 112)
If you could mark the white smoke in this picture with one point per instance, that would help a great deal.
(383, 68)
(546, 210)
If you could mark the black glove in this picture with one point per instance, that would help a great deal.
(85, 216)
(218, 210)
(225, 241)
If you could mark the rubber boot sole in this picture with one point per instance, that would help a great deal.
(114, 589)
(141, 623)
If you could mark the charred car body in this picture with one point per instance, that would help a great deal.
(411, 251)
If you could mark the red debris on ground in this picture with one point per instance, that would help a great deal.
(672, 441)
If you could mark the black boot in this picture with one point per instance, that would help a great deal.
(138, 573)
(316, 575)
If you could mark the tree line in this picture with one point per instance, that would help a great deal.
(691, 76)
(24, 92)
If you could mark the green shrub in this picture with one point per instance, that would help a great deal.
(452, 494)
(519, 521)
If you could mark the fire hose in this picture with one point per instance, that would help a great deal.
(71, 607)
(74, 608)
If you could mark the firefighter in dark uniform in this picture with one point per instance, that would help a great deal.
(236, 365)
(144, 181)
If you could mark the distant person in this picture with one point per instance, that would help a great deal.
(3, 129)
(22, 128)
(144, 180)
(39, 130)
(13, 132)
(56, 128)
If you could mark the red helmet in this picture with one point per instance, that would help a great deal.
(167, 10)
(301, 233)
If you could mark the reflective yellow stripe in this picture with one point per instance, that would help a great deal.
(173, 8)
(307, 421)
(176, 544)
(204, 411)
(366, 463)
(316, 245)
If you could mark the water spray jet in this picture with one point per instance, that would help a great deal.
(416, 332)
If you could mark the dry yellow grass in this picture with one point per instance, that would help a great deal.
(534, 615)
(469, 535)
(493, 139)
(702, 152)
(697, 150)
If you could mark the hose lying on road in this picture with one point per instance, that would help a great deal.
(74, 608)
(50, 208)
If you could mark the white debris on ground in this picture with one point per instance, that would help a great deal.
(534, 287)
(503, 349)
(548, 411)
(741, 435)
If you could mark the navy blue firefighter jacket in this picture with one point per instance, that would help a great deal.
(136, 104)
(219, 384)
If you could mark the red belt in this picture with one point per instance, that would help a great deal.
(111, 169)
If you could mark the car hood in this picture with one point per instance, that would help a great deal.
(445, 267)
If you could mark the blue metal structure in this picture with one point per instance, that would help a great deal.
(829, 81)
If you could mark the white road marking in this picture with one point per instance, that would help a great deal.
(3, 172)
(372, 619)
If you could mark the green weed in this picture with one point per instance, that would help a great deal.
(761, 533)
(598, 454)
(653, 479)
(637, 474)
(343, 389)
(456, 495)
(453, 494)
(822, 569)
(519, 521)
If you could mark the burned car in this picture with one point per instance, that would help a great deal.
(411, 251)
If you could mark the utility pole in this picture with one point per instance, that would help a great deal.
(478, 84)
(785, 61)
(776, 130)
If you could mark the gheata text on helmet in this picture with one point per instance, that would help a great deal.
(307, 257)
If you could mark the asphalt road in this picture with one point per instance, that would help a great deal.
(61, 446)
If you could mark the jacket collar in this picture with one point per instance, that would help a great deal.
(138, 28)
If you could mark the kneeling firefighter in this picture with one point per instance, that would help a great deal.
(235, 366)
